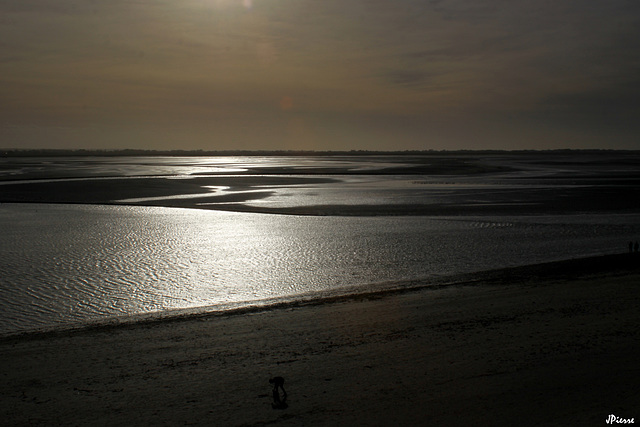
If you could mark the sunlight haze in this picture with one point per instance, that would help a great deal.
(319, 75)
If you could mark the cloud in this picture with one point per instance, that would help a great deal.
(408, 78)
(219, 64)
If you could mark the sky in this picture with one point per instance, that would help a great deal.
(320, 74)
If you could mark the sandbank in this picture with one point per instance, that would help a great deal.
(512, 184)
(553, 344)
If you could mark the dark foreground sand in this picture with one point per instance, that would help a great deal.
(548, 345)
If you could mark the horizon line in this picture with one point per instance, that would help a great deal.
(133, 152)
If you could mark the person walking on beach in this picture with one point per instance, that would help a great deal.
(278, 383)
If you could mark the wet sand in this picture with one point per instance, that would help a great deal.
(531, 183)
(242, 191)
(553, 344)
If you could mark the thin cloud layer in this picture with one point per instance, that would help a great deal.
(302, 74)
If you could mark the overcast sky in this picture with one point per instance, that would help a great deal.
(320, 74)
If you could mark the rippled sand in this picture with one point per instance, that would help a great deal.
(553, 344)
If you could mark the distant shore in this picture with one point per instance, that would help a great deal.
(549, 344)
(46, 152)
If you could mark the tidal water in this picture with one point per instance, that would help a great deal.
(63, 265)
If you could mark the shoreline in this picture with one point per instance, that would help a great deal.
(574, 267)
(551, 344)
(352, 211)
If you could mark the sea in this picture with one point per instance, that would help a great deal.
(66, 265)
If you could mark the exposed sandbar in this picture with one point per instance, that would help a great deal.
(454, 184)
(240, 191)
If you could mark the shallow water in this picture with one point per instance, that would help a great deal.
(64, 264)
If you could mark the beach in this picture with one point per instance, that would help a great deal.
(552, 344)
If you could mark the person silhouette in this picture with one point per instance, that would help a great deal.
(278, 403)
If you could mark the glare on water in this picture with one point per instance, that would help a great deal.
(63, 263)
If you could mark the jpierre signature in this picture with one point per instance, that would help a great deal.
(612, 419)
